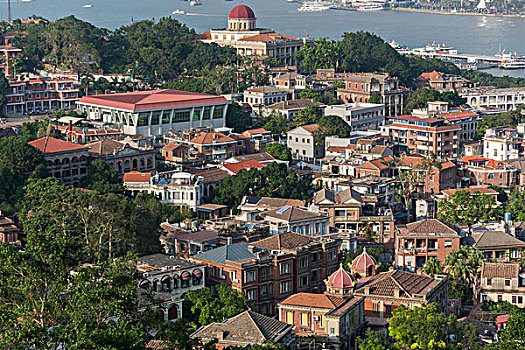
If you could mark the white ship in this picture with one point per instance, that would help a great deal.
(370, 8)
(513, 64)
(178, 12)
(195, 2)
(313, 6)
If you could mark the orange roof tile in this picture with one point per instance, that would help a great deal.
(266, 37)
(208, 138)
(51, 145)
(310, 127)
(313, 300)
(246, 165)
(137, 176)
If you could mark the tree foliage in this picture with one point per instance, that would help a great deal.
(321, 55)
(464, 264)
(421, 97)
(275, 180)
(513, 337)
(468, 208)
(279, 151)
(374, 340)
(433, 267)
(237, 118)
(208, 308)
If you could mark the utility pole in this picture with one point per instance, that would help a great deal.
(8, 10)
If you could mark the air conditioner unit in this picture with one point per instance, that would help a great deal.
(222, 277)
(316, 318)
(235, 280)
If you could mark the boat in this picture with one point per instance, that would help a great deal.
(178, 12)
(87, 6)
(399, 48)
(513, 64)
(195, 2)
(370, 8)
(290, 1)
(313, 6)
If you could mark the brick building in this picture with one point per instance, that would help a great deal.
(272, 269)
(66, 161)
(359, 87)
(486, 171)
(422, 240)
(9, 232)
(425, 136)
(502, 282)
(441, 81)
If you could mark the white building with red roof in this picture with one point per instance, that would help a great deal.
(66, 161)
(243, 35)
(156, 112)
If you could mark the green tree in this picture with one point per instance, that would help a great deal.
(101, 177)
(208, 308)
(464, 264)
(330, 125)
(513, 337)
(275, 122)
(323, 54)
(468, 208)
(424, 328)
(310, 95)
(237, 118)
(374, 340)
(310, 114)
(421, 97)
(279, 151)
(433, 267)
(374, 99)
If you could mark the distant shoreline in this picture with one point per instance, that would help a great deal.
(437, 12)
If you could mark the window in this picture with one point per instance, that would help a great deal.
(166, 117)
(218, 112)
(303, 280)
(314, 257)
(262, 272)
(181, 116)
(285, 287)
(332, 330)
(155, 118)
(303, 262)
(331, 255)
(289, 317)
(500, 297)
(507, 283)
(304, 319)
(284, 268)
(143, 119)
(448, 244)
(263, 289)
(323, 321)
(520, 299)
(233, 276)
(514, 299)
(206, 115)
(489, 282)
(314, 275)
(249, 276)
(251, 294)
(388, 310)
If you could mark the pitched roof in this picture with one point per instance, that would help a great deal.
(246, 328)
(137, 176)
(233, 252)
(209, 138)
(500, 270)
(429, 227)
(256, 131)
(322, 301)
(494, 239)
(260, 157)
(294, 104)
(154, 99)
(210, 174)
(408, 284)
(288, 213)
(50, 144)
(283, 241)
(267, 37)
(245, 165)
(378, 149)
(311, 127)
(105, 147)
(473, 189)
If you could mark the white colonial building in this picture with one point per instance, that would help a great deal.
(360, 116)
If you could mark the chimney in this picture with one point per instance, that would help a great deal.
(220, 335)
(228, 240)
(367, 290)
(396, 292)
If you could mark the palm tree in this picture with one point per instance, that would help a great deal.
(464, 264)
(433, 267)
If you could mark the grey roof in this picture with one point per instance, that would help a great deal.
(494, 239)
(232, 252)
(260, 157)
(163, 260)
(248, 328)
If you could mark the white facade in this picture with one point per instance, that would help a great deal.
(500, 146)
(507, 98)
(265, 95)
(360, 116)
(159, 121)
(178, 189)
(301, 142)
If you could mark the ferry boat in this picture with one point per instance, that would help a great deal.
(195, 2)
(370, 8)
(87, 6)
(178, 12)
(403, 50)
(513, 64)
(313, 6)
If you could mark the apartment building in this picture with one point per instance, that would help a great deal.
(359, 116)
(502, 282)
(425, 136)
(41, 95)
(502, 144)
(303, 144)
(359, 87)
(441, 81)
(489, 97)
(264, 96)
(422, 240)
(486, 171)
(272, 269)
(295, 219)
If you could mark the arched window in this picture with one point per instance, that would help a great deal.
(160, 315)
(175, 281)
(150, 162)
(142, 164)
(155, 285)
(197, 277)
(145, 284)
(185, 277)
(135, 164)
(173, 312)
(491, 176)
(166, 283)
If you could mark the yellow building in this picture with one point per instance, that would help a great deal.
(243, 35)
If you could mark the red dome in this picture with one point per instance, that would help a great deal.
(242, 11)
(341, 279)
(364, 263)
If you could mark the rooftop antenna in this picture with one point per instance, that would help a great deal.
(8, 10)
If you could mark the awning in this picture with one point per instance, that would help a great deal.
(185, 276)
(68, 119)
(197, 273)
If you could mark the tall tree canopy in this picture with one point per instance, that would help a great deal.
(468, 208)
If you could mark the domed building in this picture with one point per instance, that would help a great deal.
(243, 35)
(340, 284)
(364, 265)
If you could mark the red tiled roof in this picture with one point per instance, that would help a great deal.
(137, 176)
(257, 131)
(472, 189)
(204, 36)
(363, 262)
(246, 165)
(266, 37)
(500, 270)
(154, 99)
(209, 138)
(310, 127)
(313, 300)
(242, 12)
(51, 145)
(336, 149)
